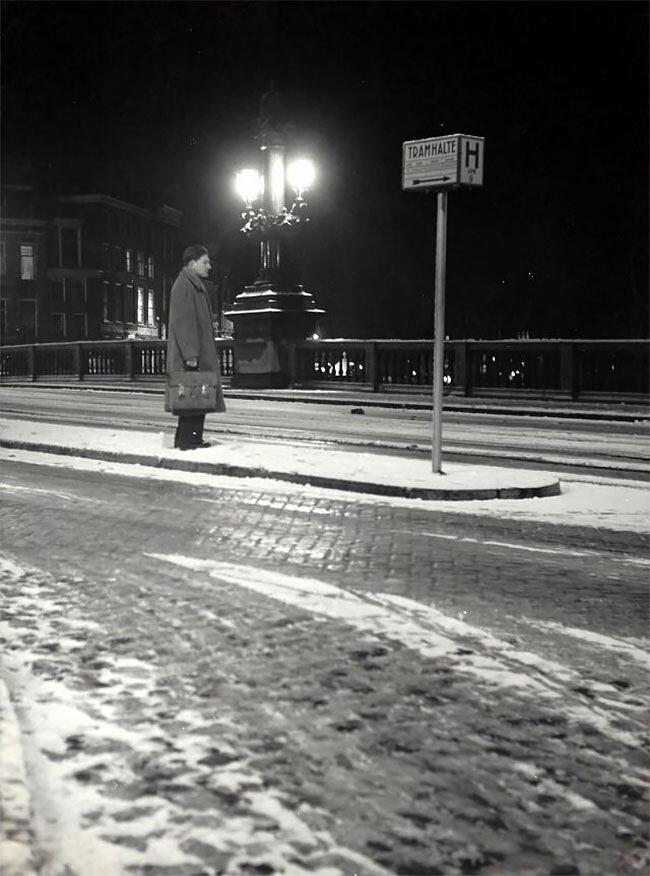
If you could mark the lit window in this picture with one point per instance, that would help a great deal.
(26, 262)
(140, 264)
(129, 261)
(150, 308)
(140, 305)
(150, 267)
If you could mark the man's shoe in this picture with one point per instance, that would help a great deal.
(193, 446)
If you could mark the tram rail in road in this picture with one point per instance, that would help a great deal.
(599, 448)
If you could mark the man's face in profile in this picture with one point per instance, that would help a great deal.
(201, 266)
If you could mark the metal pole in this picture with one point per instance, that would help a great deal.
(439, 326)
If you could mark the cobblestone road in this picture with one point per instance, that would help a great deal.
(230, 681)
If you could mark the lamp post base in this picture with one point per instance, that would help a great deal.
(267, 323)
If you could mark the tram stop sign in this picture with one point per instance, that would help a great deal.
(441, 163)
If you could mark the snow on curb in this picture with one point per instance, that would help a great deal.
(16, 837)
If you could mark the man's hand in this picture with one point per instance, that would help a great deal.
(192, 364)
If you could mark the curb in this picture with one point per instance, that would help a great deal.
(460, 494)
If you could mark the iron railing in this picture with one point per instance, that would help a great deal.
(561, 369)
(584, 369)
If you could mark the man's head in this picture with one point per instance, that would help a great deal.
(197, 259)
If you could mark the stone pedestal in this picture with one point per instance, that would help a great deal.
(267, 322)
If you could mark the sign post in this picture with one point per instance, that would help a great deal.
(439, 331)
(440, 164)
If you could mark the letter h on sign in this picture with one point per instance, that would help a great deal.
(472, 161)
(471, 151)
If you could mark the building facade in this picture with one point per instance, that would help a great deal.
(84, 267)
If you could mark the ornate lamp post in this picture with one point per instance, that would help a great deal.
(275, 311)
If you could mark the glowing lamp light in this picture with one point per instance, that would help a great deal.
(248, 184)
(301, 174)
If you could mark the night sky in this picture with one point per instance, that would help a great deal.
(163, 97)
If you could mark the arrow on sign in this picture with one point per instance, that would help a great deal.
(416, 182)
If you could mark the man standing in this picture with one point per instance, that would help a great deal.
(190, 345)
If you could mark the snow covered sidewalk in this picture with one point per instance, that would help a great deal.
(295, 462)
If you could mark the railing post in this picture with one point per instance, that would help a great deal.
(468, 366)
(372, 375)
(292, 363)
(568, 371)
(461, 367)
(78, 361)
(31, 362)
(129, 361)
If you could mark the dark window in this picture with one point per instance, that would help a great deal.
(129, 304)
(74, 291)
(106, 301)
(58, 294)
(118, 304)
(58, 325)
(78, 326)
(69, 247)
(28, 319)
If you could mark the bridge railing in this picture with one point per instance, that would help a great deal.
(97, 360)
(559, 369)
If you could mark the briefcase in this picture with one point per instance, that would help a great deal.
(199, 391)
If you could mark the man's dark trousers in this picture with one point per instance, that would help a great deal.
(189, 432)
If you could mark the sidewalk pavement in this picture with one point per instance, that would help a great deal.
(297, 463)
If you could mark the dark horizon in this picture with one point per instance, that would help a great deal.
(130, 98)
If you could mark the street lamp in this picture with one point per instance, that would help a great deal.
(274, 313)
(248, 185)
(264, 196)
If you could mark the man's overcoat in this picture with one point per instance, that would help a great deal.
(191, 334)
